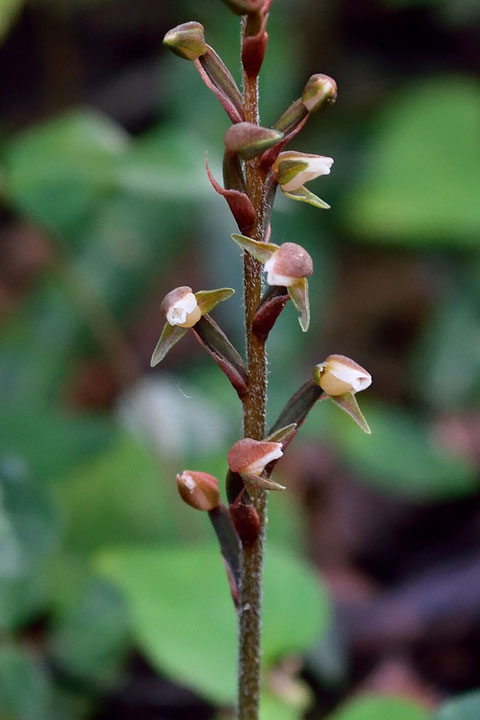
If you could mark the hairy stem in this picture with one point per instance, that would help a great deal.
(254, 408)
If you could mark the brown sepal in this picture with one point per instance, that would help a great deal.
(246, 521)
(271, 305)
(219, 80)
(214, 340)
(239, 203)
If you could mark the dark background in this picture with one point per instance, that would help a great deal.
(104, 207)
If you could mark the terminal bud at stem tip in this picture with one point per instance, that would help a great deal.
(187, 40)
(199, 490)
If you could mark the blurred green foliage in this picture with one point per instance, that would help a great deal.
(94, 545)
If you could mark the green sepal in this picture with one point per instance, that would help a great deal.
(348, 403)
(282, 433)
(288, 169)
(261, 251)
(208, 299)
(304, 195)
(263, 483)
(299, 296)
(171, 334)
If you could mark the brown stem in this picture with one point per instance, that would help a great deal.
(254, 408)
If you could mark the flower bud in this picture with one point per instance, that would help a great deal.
(243, 7)
(248, 140)
(339, 375)
(198, 489)
(289, 263)
(319, 92)
(249, 457)
(187, 40)
(181, 307)
(294, 169)
(246, 521)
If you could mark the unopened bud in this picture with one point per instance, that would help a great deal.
(320, 91)
(294, 169)
(339, 375)
(288, 264)
(187, 40)
(198, 489)
(246, 521)
(181, 307)
(248, 140)
(244, 7)
(249, 457)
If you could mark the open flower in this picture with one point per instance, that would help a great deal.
(249, 457)
(183, 309)
(287, 265)
(294, 169)
(339, 375)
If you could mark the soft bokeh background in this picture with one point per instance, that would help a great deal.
(113, 601)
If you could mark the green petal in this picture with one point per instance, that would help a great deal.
(261, 251)
(208, 299)
(299, 296)
(171, 334)
(262, 482)
(304, 195)
(348, 403)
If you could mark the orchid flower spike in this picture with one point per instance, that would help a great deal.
(183, 309)
(288, 265)
(249, 457)
(339, 375)
(294, 169)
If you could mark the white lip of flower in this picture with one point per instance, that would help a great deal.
(339, 376)
(317, 166)
(256, 468)
(274, 278)
(184, 312)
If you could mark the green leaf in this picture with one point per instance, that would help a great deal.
(171, 334)
(401, 456)
(379, 708)
(463, 707)
(184, 620)
(422, 183)
(24, 689)
(58, 171)
(29, 515)
(304, 195)
(129, 486)
(89, 639)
